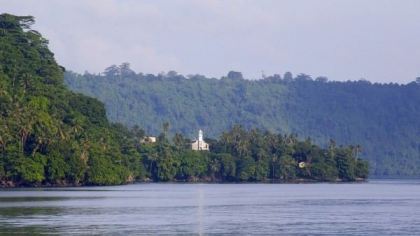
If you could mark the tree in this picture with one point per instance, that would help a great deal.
(112, 71)
(235, 75)
(288, 76)
(125, 70)
(179, 141)
(287, 167)
(165, 127)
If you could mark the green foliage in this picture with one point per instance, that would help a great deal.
(56, 168)
(49, 135)
(52, 136)
(30, 171)
(287, 167)
(382, 117)
(327, 172)
(362, 168)
(251, 155)
(103, 171)
(246, 169)
(228, 166)
(346, 166)
(192, 164)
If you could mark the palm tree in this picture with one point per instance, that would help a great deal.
(179, 141)
(273, 162)
(166, 128)
(214, 167)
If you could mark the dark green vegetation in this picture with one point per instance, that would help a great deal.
(244, 155)
(52, 136)
(384, 118)
(49, 134)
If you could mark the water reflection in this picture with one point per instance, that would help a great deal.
(376, 208)
(39, 199)
(12, 212)
(200, 211)
(27, 230)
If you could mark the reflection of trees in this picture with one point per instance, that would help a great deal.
(29, 211)
(12, 229)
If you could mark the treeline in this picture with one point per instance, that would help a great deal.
(250, 155)
(382, 117)
(52, 136)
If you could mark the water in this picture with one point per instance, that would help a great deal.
(379, 207)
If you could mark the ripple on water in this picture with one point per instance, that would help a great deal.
(374, 208)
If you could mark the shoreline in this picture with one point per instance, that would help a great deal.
(8, 185)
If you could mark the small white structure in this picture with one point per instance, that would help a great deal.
(200, 145)
(148, 139)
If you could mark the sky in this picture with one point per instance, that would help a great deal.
(377, 40)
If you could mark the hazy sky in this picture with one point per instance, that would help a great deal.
(342, 39)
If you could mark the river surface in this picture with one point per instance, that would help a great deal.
(379, 207)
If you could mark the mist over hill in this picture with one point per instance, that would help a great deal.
(382, 118)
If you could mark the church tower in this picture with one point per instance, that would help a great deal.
(200, 144)
(200, 136)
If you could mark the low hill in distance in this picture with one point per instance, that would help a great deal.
(382, 118)
(52, 136)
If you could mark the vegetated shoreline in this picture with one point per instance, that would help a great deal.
(10, 185)
(50, 136)
(308, 107)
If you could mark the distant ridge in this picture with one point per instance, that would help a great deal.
(382, 118)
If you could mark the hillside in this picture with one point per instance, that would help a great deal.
(48, 134)
(382, 118)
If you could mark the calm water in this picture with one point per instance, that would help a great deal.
(374, 208)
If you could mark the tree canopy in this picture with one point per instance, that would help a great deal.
(383, 118)
(52, 136)
(49, 134)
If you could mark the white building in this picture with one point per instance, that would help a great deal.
(148, 139)
(200, 145)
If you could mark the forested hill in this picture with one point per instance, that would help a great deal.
(48, 134)
(383, 118)
(52, 136)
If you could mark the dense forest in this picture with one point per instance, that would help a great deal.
(49, 134)
(52, 136)
(251, 155)
(383, 118)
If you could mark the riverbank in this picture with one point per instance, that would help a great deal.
(11, 184)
